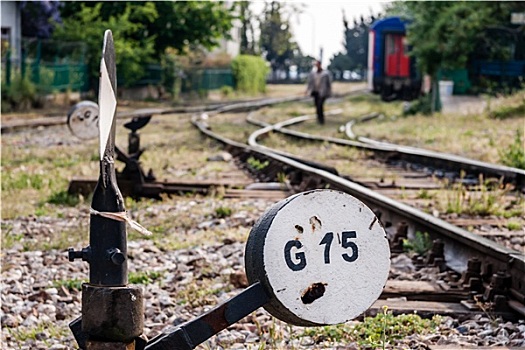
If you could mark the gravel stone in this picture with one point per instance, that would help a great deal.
(192, 280)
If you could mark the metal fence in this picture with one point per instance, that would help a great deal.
(50, 65)
(199, 79)
(56, 67)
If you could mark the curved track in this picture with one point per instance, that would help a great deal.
(499, 270)
(441, 163)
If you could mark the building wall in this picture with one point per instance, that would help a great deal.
(232, 46)
(11, 23)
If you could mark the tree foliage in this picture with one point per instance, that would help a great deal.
(143, 30)
(276, 40)
(446, 34)
(355, 53)
(38, 18)
(356, 41)
(88, 26)
(246, 16)
(249, 73)
(177, 24)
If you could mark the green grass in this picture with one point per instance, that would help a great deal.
(72, 285)
(42, 331)
(144, 277)
(514, 154)
(13, 181)
(509, 111)
(420, 244)
(514, 225)
(476, 136)
(487, 200)
(379, 332)
(223, 212)
(63, 198)
(35, 177)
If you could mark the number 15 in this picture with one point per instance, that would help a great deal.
(345, 243)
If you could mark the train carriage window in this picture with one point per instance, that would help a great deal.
(405, 46)
(390, 44)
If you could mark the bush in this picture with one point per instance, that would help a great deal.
(19, 95)
(514, 155)
(422, 105)
(249, 74)
(508, 111)
(226, 91)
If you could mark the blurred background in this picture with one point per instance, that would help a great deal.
(183, 50)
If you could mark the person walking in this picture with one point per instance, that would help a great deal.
(320, 88)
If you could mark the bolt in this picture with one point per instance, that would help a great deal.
(116, 256)
(83, 254)
(73, 254)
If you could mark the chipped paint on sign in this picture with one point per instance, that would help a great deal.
(336, 271)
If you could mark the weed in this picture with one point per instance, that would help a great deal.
(508, 111)
(376, 332)
(19, 95)
(71, 285)
(425, 194)
(423, 106)
(144, 277)
(64, 198)
(256, 164)
(198, 295)
(226, 91)
(41, 211)
(9, 239)
(514, 225)
(21, 180)
(514, 155)
(484, 199)
(223, 212)
(420, 244)
(41, 331)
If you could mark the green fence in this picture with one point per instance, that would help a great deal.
(59, 77)
(205, 79)
(51, 66)
(190, 79)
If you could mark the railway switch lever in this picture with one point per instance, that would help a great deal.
(316, 258)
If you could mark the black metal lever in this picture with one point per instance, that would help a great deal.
(192, 333)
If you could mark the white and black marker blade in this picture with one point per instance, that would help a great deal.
(107, 98)
(322, 257)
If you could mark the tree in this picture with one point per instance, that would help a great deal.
(339, 63)
(38, 18)
(446, 34)
(355, 53)
(356, 41)
(88, 26)
(177, 24)
(143, 31)
(246, 17)
(276, 40)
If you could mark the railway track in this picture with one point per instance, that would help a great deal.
(457, 248)
(464, 267)
(471, 270)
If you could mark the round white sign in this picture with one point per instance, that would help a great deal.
(83, 120)
(322, 256)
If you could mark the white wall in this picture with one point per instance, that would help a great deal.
(11, 18)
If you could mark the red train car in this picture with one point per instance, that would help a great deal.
(391, 71)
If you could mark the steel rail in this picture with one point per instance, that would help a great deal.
(10, 126)
(459, 245)
(434, 159)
